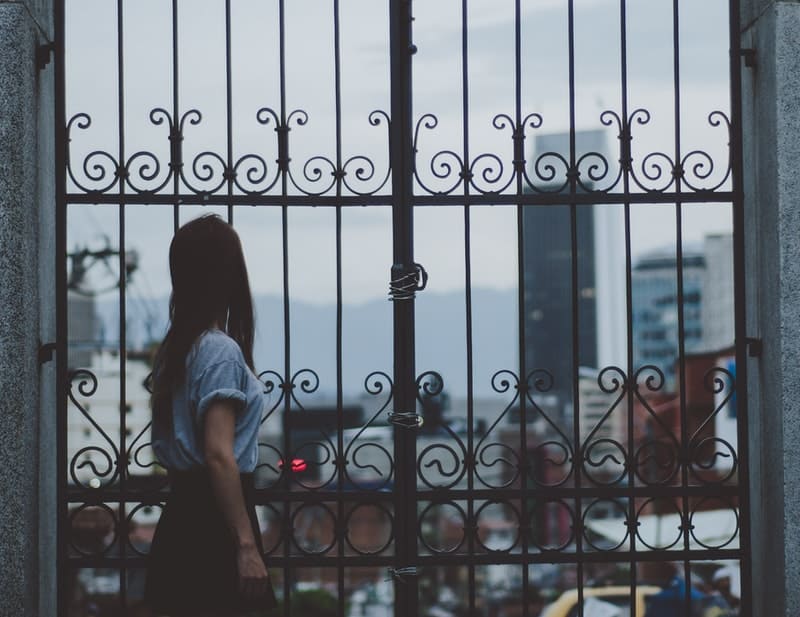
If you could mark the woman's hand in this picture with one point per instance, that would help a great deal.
(253, 576)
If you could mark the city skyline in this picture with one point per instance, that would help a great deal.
(367, 333)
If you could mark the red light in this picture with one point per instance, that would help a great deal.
(298, 465)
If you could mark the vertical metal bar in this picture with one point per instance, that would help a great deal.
(63, 591)
(628, 291)
(339, 418)
(521, 329)
(122, 465)
(287, 403)
(470, 411)
(740, 304)
(573, 177)
(340, 511)
(287, 407)
(576, 415)
(519, 158)
(684, 433)
(465, 94)
(176, 182)
(228, 110)
(472, 524)
(523, 417)
(401, 161)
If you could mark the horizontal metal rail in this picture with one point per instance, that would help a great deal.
(452, 560)
(327, 201)
(272, 496)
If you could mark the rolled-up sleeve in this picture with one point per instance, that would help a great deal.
(222, 381)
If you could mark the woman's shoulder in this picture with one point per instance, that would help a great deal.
(215, 346)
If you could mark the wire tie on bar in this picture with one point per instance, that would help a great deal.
(407, 281)
(399, 573)
(406, 419)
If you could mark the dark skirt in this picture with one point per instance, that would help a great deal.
(191, 567)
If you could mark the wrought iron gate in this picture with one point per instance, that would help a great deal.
(589, 480)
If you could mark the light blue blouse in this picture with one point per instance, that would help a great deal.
(215, 370)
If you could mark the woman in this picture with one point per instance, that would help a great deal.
(206, 558)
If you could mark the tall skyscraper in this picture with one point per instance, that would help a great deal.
(656, 331)
(548, 277)
(548, 292)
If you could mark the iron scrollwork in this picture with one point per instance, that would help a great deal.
(307, 381)
(552, 461)
(488, 173)
(707, 451)
(442, 463)
(488, 453)
(82, 459)
(363, 455)
(553, 172)
(209, 173)
(363, 463)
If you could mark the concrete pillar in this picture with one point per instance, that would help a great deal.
(771, 100)
(27, 397)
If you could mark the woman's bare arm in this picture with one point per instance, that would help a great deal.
(224, 474)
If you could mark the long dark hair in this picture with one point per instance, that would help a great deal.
(209, 285)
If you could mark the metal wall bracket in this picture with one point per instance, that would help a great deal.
(754, 347)
(46, 351)
(749, 56)
(406, 419)
(43, 54)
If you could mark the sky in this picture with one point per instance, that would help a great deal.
(92, 83)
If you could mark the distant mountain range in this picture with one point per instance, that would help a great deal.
(366, 336)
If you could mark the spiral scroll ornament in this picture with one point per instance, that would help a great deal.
(713, 459)
(270, 457)
(494, 173)
(604, 458)
(208, 173)
(497, 464)
(552, 461)
(369, 464)
(317, 454)
(441, 464)
(83, 468)
(657, 457)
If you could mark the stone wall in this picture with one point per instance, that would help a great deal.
(771, 115)
(27, 405)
